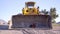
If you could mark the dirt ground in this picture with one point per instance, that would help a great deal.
(55, 30)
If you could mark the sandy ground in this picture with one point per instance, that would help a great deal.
(30, 31)
(55, 30)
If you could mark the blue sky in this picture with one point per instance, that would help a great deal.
(13, 7)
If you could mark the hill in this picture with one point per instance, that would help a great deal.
(2, 22)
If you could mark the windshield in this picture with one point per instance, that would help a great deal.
(30, 5)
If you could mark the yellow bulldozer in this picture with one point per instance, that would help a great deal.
(31, 18)
(30, 9)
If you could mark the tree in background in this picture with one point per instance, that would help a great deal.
(53, 14)
(44, 11)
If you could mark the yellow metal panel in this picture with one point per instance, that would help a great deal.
(32, 11)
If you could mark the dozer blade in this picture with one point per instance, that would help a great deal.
(31, 21)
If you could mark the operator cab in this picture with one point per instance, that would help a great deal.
(30, 4)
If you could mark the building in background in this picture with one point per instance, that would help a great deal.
(3, 25)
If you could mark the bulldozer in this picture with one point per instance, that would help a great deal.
(31, 18)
